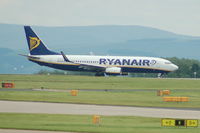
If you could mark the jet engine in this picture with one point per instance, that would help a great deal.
(113, 71)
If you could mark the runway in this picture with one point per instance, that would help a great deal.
(82, 109)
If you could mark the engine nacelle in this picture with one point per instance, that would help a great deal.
(113, 71)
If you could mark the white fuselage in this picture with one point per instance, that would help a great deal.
(126, 63)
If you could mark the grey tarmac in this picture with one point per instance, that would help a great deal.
(82, 109)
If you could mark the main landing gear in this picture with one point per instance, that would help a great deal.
(99, 74)
(161, 75)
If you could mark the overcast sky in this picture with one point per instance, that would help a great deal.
(179, 16)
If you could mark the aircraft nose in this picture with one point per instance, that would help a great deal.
(175, 67)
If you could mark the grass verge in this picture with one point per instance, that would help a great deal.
(133, 98)
(179, 87)
(89, 82)
(83, 123)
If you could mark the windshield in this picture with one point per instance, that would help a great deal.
(168, 62)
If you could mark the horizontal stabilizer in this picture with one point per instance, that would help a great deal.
(28, 56)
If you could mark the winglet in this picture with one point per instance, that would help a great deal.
(64, 56)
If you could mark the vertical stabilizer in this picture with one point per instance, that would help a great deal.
(36, 46)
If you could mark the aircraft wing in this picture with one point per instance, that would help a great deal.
(85, 66)
(92, 67)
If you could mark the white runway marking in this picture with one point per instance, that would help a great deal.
(80, 109)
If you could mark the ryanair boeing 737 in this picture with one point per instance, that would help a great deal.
(101, 65)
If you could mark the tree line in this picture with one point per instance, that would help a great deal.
(188, 68)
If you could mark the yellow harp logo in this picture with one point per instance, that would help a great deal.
(34, 42)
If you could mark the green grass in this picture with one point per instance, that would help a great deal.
(178, 87)
(83, 123)
(138, 98)
(89, 82)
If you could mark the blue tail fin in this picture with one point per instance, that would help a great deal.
(36, 46)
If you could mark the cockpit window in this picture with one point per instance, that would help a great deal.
(168, 62)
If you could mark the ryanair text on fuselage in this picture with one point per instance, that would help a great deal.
(140, 62)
